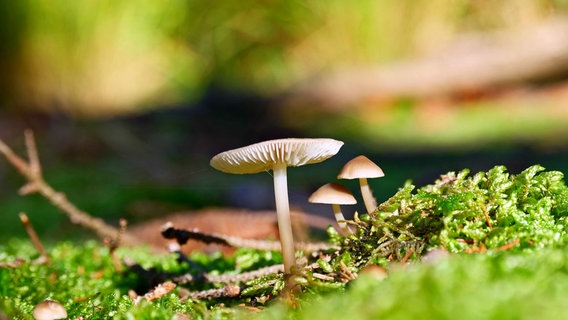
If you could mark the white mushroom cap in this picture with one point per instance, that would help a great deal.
(336, 195)
(262, 156)
(49, 310)
(332, 193)
(360, 167)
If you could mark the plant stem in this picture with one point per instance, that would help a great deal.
(283, 213)
(33, 236)
(341, 220)
(370, 201)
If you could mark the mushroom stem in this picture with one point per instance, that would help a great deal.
(339, 217)
(283, 213)
(370, 201)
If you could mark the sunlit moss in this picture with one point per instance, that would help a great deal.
(488, 211)
(517, 221)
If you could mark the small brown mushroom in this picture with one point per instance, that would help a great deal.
(277, 155)
(336, 195)
(362, 168)
(49, 310)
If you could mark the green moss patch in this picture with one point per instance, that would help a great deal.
(505, 235)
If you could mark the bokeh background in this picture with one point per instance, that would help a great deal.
(130, 99)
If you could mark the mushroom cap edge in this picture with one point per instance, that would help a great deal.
(263, 156)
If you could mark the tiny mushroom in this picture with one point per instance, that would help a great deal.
(336, 195)
(362, 168)
(49, 310)
(277, 155)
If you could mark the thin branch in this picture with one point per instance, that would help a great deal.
(157, 293)
(16, 161)
(509, 245)
(322, 276)
(182, 236)
(242, 277)
(407, 256)
(228, 291)
(232, 278)
(13, 264)
(32, 172)
(114, 243)
(44, 257)
(487, 219)
(33, 156)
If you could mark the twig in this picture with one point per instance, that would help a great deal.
(346, 274)
(476, 249)
(113, 244)
(228, 291)
(158, 292)
(508, 245)
(407, 256)
(487, 218)
(232, 278)
(31, 170)
(14, 264)
(182, 236)
(44, 257)
(33, 156)
(322, 277)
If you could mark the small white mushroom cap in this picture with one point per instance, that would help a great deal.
(332, 193)
(49, 310)
(262, 156)
(336, 195)
(360, 167)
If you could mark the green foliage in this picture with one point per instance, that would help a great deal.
(172, 49)
(492, 210)
(518, 221)
(528, 285)
(83, 279)
(473, 125)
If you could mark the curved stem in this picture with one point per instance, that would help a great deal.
(283, 213)
(370, 201)
(339, 217)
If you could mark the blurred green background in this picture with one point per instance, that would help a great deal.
(130, 99)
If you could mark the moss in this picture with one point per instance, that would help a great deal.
(518, 221)
(494, 286)
(82, 278)
(492, 210)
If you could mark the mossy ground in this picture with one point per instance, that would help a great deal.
(506, 234)
(482, 286)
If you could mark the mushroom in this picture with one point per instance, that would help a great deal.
(362, 168)
(277, 155)
(49, 310)
(336, 195)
